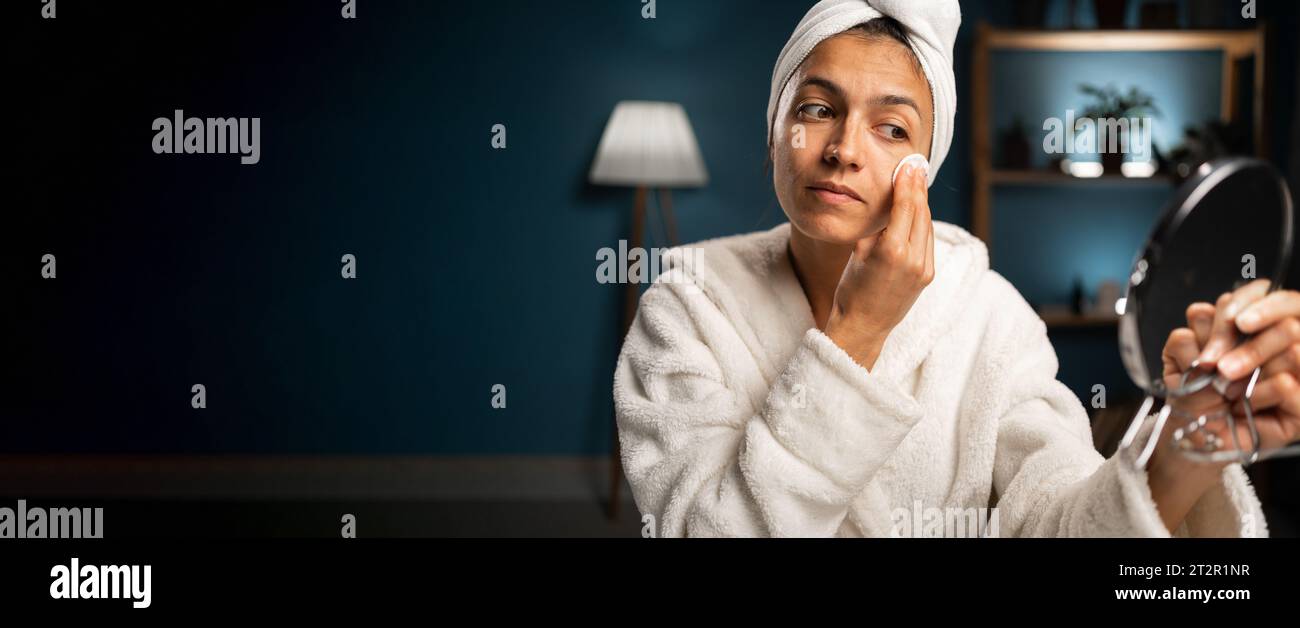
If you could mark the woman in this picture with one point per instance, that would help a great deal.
(861, 363)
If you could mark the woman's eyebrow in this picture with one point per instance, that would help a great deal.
(891, 100)
(825, 84)
(883, 100)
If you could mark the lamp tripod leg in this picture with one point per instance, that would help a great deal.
(631, 295)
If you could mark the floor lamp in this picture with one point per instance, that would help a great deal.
(646, 146)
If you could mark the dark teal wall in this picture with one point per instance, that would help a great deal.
(476, 266)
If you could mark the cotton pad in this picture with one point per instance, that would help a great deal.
(918, 158)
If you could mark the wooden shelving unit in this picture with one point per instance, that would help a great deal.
(1234, 44)
(1046, 177)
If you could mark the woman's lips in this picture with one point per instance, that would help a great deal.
(834, 198)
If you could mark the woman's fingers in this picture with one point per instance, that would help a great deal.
(916, 191)
(1246, 295)
(1280, 391)
(1275, 348)
(1269, 310)
(1200, 316)
(929, 255)
(1286, 362)
(1275, 430)
(922, 237)
(1272, 342)
(1180, 350)
(902, 215)
(1204, 401)
(1223, 331)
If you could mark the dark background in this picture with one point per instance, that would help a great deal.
(475, 266)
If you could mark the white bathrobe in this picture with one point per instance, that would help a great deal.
(738, 417)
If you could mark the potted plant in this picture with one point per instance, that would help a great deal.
(1110, 103)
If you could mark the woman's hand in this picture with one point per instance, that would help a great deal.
(1211, 337)
(1274, 321)
(885, 273)
(1182, 349)
(1178, 482)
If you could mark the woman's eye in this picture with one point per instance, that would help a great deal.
(896, 132)
(816, 111)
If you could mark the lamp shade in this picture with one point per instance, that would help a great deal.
(648, 144)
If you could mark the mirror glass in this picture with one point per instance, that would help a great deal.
(1228, 225)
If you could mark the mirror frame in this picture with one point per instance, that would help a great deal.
(1189, 194)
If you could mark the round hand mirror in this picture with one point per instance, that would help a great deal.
(1227, 225)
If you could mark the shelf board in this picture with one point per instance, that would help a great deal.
(1048, 177)
(1234, 42)
(1072, 320)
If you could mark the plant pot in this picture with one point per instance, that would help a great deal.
(1112, 163)
(1110, 13)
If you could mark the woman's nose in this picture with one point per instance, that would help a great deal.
(845, 148)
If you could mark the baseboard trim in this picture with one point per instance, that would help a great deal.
(515, 478)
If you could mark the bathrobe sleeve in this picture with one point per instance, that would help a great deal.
(1049, 478)
(709, 459)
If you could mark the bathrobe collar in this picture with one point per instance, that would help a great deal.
(960, 259)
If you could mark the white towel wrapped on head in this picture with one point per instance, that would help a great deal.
(931, 29)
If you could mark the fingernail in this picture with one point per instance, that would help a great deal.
(1248, 318)
(1232, 309)
(1230, 365)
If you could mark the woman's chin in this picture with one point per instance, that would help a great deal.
(830, 226)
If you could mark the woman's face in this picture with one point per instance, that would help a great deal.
(849, 114)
